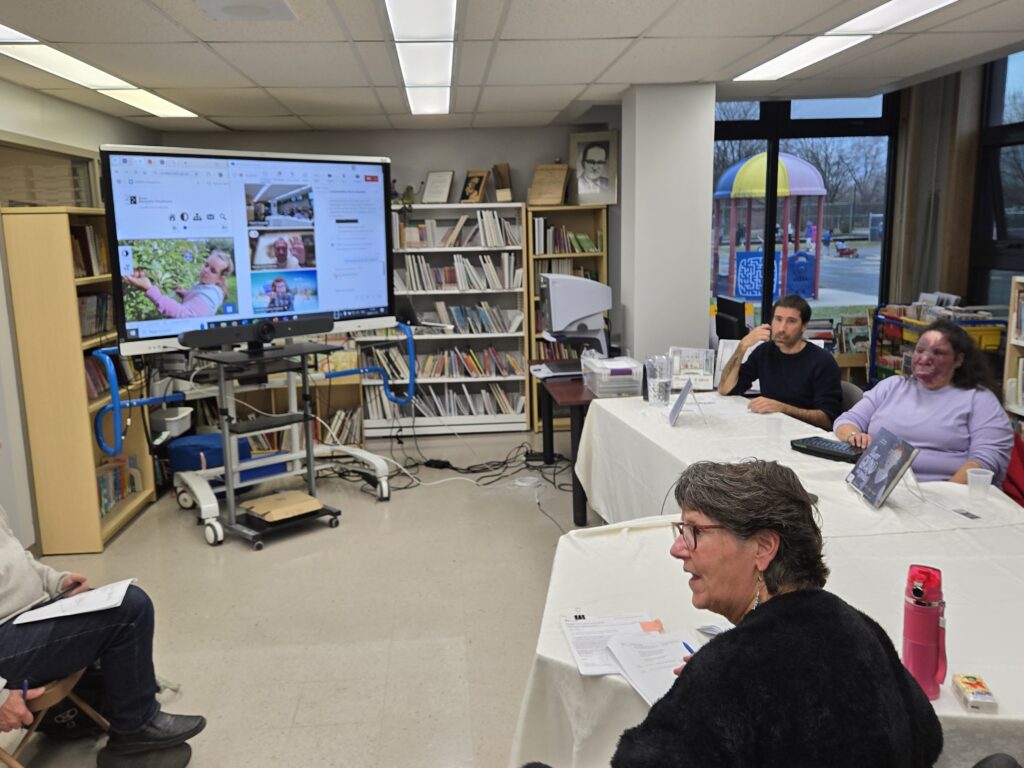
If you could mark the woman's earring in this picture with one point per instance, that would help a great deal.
(757, 590)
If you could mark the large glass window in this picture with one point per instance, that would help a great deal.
(827, 214)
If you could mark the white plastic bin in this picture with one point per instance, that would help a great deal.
(174, 421)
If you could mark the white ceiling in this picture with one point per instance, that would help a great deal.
(517, 62)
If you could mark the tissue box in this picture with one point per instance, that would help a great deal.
(612, 376)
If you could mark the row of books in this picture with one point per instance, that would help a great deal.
(419, 275)
(449, 363)
(95, 313)
(564, 267)
(821, 331)
(116, 479)
(89, 249)
(96, 382)
(434, 402)
(483, 318)
(556, 350)
(854, 333)
(489, 231)
(559, 239)
(346, 426)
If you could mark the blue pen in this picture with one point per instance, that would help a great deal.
(686, 645)
(24, 690)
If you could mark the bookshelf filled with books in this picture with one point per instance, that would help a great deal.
(1013, 369)
(568, 240)
(58, 266)
(462, 269)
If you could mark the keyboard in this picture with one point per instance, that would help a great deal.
(836, 450)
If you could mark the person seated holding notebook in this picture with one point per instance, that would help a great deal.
(946, 408)
(36, 653)
(797, 378)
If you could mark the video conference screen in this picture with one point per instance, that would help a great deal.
(205, 239)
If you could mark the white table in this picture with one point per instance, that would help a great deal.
(570, 721)
(628, 461)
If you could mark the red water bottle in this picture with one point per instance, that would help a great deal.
(924, 628)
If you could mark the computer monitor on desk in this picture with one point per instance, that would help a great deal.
(730, 318)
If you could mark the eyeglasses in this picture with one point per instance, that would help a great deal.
(595, 162)
(689, 532)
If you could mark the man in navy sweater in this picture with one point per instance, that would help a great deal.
(797, 378)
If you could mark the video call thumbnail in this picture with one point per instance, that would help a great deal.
(292, 291)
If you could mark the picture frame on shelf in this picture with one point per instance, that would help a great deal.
(594, 164)
(475, 186)
(438, 187)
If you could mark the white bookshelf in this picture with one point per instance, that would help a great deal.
(483, 302)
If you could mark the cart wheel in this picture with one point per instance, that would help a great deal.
(214, 533)
(185, 500)
(334, 522)
(257, 545)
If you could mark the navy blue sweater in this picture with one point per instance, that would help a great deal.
(809, 379)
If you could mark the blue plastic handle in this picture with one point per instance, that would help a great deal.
(410, 352)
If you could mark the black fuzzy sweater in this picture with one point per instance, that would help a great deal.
(805, 680)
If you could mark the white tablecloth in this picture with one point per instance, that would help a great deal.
(628, 460)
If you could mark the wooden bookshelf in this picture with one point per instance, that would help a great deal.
(51, 360)
(589, 219)
(1012, 364)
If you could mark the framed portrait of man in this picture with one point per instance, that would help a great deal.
(475, 187)
(594, 160)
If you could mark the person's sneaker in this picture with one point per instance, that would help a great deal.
(164, 730)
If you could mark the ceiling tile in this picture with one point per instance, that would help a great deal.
(550, 62)
(314, 20)
(93, 100)
(466, 98)
(299, 65)
(381, 62)
(431, 121)
(283, 123)
(679, 60)
(737, 18)
(471, 62)
(610, 93)
(481, 21)
(328, 101)
(28, 76)
(576, 19)
(755, 57)
(176, 123)
(393, 100)
(832, 16)
(167, 65)
(743, 91)
(535, 98)
(513, 120)
(348, 122)
(1001, 17)
(958, 10)
(112, 21)
(249, 102)
(922, 53)
(365, 19)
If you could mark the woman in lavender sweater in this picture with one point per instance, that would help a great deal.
(947, 409)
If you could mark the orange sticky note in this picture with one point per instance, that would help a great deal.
(652, 626)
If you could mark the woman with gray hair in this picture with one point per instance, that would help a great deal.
(803, 679)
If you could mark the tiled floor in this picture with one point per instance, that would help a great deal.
(402, 638)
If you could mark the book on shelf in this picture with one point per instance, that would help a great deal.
(344, 428)
(559, 239)
(116, 479)
(487, 230)
(95, 314)
(432, 401)
(91, 250)
(556, 350)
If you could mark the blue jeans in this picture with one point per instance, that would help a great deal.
(121, 638)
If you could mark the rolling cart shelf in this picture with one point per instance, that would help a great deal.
(278, 511)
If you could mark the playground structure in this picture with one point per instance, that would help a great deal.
(798, 272)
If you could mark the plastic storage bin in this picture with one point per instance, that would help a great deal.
(612, 376)
(174, 421)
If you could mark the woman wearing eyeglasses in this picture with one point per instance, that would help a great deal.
(803, 679)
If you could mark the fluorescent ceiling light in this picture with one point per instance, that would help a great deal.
(802, 56)
(8, 35)
(885, 17)
(428, 101)
(426, 64)
(422, 19)
(148, 102)
(60, 64)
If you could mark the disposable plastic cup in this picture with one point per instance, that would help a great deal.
(978, 483)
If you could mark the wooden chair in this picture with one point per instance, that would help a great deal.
(55, 693)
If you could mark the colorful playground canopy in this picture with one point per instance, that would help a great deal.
(746, 179)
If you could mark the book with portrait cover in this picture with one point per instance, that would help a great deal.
(881, 466)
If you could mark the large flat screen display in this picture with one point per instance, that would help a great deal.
(208, 239)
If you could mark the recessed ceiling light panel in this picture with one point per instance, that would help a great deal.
(802, 56)
(888, 16)
(246, 10)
